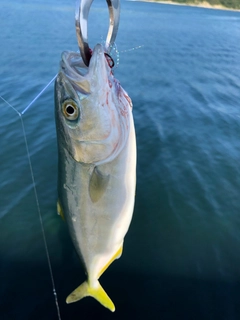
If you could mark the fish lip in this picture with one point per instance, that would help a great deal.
(98, 59)
(73, 68)
(70, 61)
(79, 75)
(97, 51)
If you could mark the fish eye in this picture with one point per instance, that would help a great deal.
(70, 110)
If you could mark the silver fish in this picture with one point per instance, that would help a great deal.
(97, 164)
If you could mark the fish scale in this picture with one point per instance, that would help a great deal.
(97, 166)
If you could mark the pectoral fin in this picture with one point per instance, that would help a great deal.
(97, 292)
(98, 184)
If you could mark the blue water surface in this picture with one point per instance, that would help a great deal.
(181, 256)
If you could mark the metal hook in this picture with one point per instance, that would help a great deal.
(81, 18)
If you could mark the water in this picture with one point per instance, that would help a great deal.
(181, 256)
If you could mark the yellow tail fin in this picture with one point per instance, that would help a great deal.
(97, 292)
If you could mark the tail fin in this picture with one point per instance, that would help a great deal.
(97, 292)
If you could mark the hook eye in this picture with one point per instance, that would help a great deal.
(81, 19)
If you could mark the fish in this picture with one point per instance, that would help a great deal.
(96, 164)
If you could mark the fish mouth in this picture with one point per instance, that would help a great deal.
(98, 59)
(80, 76)
(73, 68)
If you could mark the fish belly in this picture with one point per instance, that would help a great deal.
(97, 228)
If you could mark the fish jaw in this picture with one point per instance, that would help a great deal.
(101, 130)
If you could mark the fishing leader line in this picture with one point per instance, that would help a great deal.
(35, 192)
(40, 93)
(115, 53)
(132, 49)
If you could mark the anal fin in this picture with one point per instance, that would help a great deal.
(117, 255)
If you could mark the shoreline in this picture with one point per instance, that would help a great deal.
(204, 5)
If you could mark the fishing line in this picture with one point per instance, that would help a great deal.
(40, 93)
(115, 53)
(35, 193)
(132, 49)
(10, 106)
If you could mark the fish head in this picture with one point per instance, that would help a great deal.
(91, 108)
